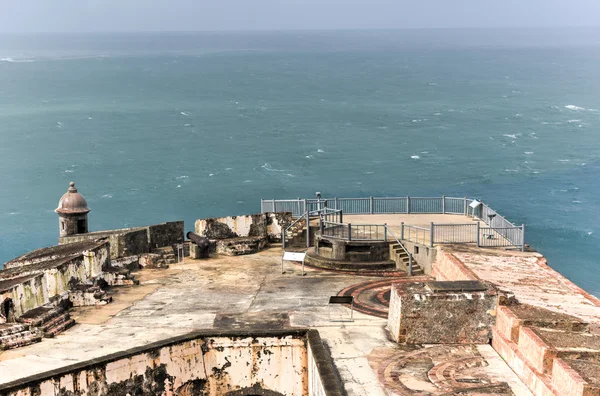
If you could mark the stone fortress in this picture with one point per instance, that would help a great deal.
(365, 296)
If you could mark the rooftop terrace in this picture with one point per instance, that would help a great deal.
(250, 292)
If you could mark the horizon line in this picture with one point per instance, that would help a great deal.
(251, 30)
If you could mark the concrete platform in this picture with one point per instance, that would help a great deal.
(236, 292)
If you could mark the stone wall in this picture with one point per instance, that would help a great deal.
(33, 285)
(134, 241)
(447, 267)
(264, 224)
(165, 234)
(26, 294)
(461, 312)
(221, 363)
(276, 224)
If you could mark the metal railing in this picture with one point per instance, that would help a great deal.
(354, 232)
(326, 214)
(415, 234)
(370, 205)
(504, 232)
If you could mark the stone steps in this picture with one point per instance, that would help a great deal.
(17, 335)
(12, 328)
(552, 353)
(59, 328)
(400, 256)
(49, 320)
(38, 316)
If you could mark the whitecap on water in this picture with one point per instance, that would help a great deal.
(320, 151)
(182, 177)
(107, 196)
(528, 152)
(309, 156)
(68, 170)
(564, 160)
(90, 118)
(511, 136)
(247, 181)
(437, 114)
(228, 169)
(572, 121)
(424, 152)
(511, 170)
(576, 201)
(187, 125)
(267, 167)
(575, 108)
(12, 60)
(415, 157)
(211, 174)
(184, 113)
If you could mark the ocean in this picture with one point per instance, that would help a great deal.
(155, 127)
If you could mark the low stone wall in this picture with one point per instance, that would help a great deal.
(460, 312)
(134, 241)
(205, 362)
(447, 267)
(165, 234)
(353, 251)
(257, 225)
(123, 242)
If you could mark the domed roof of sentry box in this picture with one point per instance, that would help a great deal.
(72, 202)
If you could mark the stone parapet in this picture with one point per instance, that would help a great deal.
(442, 312)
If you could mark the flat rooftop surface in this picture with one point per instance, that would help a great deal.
(248, 291)
(532, 281)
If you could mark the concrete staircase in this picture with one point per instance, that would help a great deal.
(554, 354)
(50, 319)
(14, 335)
(402, 260)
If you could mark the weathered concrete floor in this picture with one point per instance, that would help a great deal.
(192, 295)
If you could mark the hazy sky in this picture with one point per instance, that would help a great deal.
(175, 15)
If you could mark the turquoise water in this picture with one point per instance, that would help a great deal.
(157, 127)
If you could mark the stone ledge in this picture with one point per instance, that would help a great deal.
(576, 377)
(537, 382)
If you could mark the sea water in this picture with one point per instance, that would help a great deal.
(158, 127)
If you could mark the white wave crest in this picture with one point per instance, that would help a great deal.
(564, 160)
(320, 151)
(528, 152)
(309, 156)
(415, 157)
(267, 166)
(107, 196)
(575, 108)
(182, 177)
(511, 136)
(69, 171)
(12, 60)
(573, 121)
(184, 113)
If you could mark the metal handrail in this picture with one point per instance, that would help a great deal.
(410, 257)
(306, 216)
